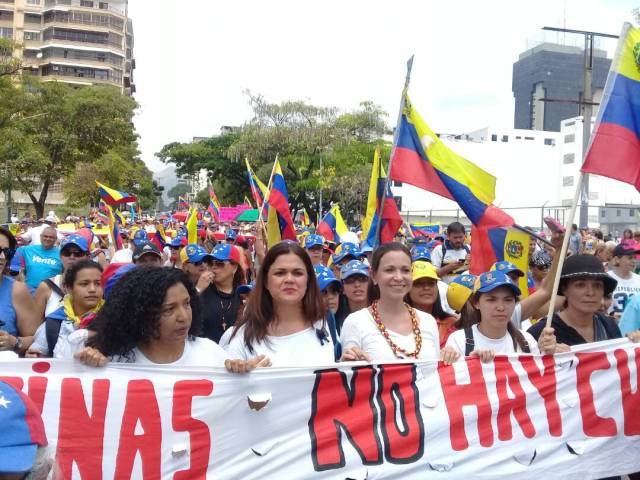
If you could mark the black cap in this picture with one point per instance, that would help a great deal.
(586, 266)
(624, 249)
(144, 247)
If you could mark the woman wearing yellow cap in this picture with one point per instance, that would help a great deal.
(425, 296)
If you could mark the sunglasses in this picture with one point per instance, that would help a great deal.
(8, 252)
(73, 253)
(218, 263)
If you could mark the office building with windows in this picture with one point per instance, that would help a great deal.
(81, 42)
(548, 82)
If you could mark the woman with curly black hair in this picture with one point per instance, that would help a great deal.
(152, 316)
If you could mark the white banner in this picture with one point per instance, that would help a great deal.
(573, 415)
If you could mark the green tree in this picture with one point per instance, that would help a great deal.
(226, 173)
(67, 127)
(318, 148)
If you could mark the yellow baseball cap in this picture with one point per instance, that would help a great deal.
(421, 269)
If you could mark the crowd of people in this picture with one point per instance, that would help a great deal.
(229, 301)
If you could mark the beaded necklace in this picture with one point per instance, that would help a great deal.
(383, 330)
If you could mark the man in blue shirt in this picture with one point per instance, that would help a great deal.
(39, 262)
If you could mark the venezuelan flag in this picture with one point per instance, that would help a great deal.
(511, 245)
(279, 222)
(306, 221)
(160, 237)
(421, 159)
(259, 190)
(424, 228)
(114, 230)
(182, 203)
(332, 225)
(377, 171)
(214, 205)
(614, 151)
(113, 197)
(387, 225)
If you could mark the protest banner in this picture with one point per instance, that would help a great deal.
(572, 415)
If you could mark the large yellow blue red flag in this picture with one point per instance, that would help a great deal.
(114, 197)
(279, 222)
(614, 151)
(421, 159)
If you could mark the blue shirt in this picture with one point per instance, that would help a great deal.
(630, 320)
(38, 263)
(7, 311)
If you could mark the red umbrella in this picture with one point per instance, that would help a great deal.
(181, 216)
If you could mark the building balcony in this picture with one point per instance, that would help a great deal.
(68, 4)
(80, 80)
(81, 44)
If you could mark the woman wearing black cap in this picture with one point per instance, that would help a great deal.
(583, 283)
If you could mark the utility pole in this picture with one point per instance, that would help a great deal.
(586, 107)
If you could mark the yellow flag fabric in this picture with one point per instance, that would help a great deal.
(192, 226)
(377, 171)
(516, 251)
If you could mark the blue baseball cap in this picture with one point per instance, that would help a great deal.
(193, 253)
(347, 249)
(507, 268)
(248, 288)
(176, 241)
(420, 252)
(230, 235)
(75, 240)
(140, 236)
(354, 267)
(314, 240)
(226, 252)
(22, 430)
(489, 281)
(326, 277)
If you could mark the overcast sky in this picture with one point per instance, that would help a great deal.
(195, 58)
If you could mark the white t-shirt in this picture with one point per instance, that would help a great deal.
(197, 352)
(626, 288)
(41, 345)
(360, 330)
(457, 341)
(451, 256)
(7, 355)
(124, 255)
(303, 348)
(55, 301)
(33, 234)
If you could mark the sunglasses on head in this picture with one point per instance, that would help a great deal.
(73, 253)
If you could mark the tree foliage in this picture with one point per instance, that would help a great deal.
(318, 148)
(77, 134)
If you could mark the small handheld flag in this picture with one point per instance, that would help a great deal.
(114, 197)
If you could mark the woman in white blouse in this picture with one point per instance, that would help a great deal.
(389, 329)
(284, 316)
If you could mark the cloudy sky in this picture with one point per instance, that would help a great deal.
(195, 58)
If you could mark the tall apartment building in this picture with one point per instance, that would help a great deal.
(82, 42)
(553, 71)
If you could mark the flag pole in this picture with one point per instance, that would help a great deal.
(395, 142)
(565, 245)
